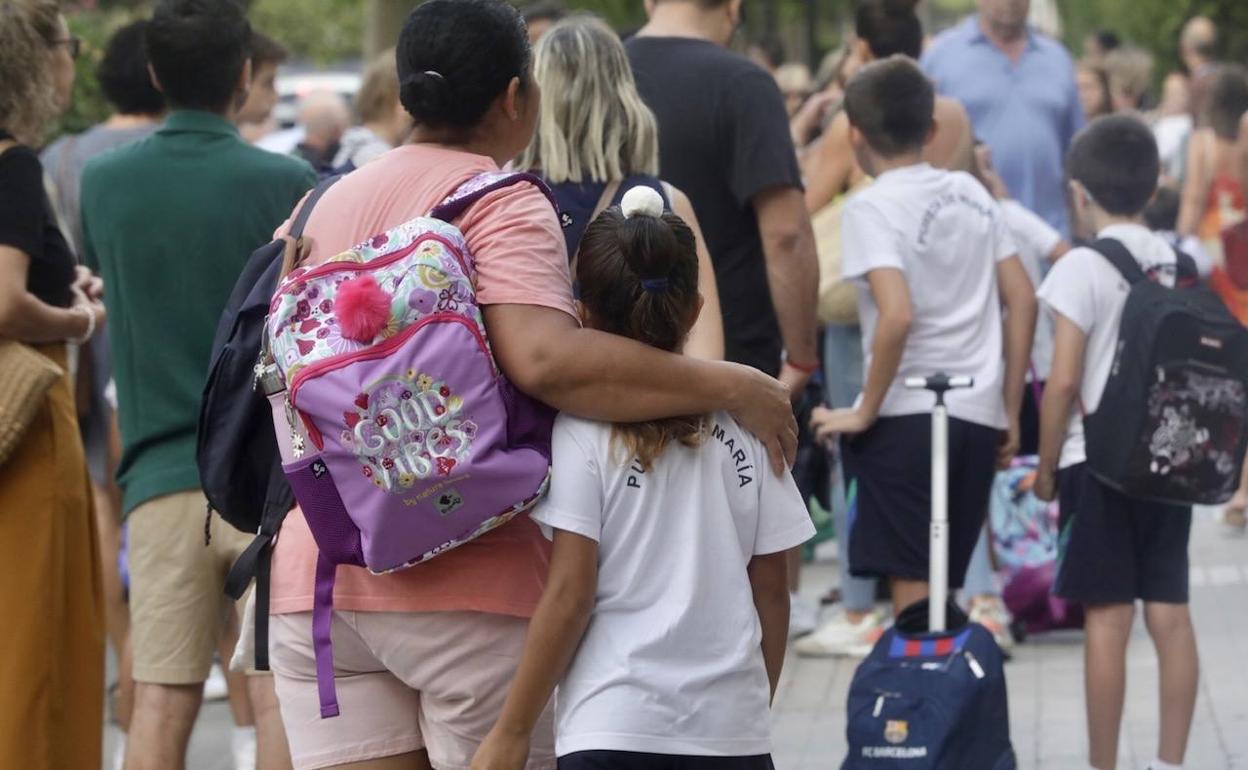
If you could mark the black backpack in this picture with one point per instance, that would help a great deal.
(240, 468)
(1172, 424)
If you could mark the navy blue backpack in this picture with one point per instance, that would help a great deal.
(930, 701)
(240, 468)
(581, 202)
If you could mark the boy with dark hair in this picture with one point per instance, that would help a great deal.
(170, 221)
(1116, 549)
(266, 56)
(935, 261)
(123, 73)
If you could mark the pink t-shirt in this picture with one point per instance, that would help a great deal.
(521, 259)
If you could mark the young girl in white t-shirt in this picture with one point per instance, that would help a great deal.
(665, 613)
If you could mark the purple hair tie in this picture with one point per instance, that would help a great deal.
(654, 285)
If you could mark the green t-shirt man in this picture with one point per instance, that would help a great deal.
(169, 222)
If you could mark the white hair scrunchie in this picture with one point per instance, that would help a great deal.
(642, 201)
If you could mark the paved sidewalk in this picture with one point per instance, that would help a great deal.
(1046, 682)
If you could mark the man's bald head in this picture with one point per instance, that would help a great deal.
(325, 116)
(1199, 40)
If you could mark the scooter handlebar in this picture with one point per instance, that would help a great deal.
(939, 383)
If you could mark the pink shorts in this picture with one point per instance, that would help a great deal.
(406, 681)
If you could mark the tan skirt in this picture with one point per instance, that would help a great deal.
(51, 598)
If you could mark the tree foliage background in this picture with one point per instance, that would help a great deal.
(1155, 24)
(326, 32)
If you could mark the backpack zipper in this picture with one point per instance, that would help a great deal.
(971, 661)
(376, 351)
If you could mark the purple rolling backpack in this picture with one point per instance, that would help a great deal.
(400, 436)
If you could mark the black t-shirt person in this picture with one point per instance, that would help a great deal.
(27, 223)
(723, 139)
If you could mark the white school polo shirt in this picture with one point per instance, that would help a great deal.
(946, 234)
(1036, 240)
(671, 662)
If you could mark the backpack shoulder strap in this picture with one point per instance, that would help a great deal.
(296, 251)
(1118, 256)
(301, 219)
(458, 202)
(606, 199)
(669, 196)
(1187, 273)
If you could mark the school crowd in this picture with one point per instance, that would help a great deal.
(676, 251)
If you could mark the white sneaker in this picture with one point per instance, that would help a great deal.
(215, 687)
(990, 612)
(119, 754)
(841, 637)
(803, 616)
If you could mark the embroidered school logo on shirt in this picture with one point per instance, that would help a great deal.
(946, 200)
(739, 458)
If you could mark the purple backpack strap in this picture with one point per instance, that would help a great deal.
(322, 641)
(338, 542)
(482, 185)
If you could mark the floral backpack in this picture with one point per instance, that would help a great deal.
(400, 436)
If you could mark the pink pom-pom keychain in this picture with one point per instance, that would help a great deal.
(363, 309)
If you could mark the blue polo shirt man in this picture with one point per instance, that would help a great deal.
(1018, 87)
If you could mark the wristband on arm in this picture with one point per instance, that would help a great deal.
(801, 367)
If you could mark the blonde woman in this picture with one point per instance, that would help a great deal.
(596, 139)
(384, 124)
(52, 654)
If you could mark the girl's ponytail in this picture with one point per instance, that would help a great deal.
(638, 276)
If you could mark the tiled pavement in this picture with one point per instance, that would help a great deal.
(1045, 683)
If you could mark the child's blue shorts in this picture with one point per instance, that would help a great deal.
(1115, 549)
(889, 470)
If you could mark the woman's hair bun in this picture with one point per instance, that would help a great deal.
(455, 58)
(425, 95)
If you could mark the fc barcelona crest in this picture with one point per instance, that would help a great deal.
(896, 731)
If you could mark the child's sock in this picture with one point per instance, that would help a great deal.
(243, 744)
(1157, 764)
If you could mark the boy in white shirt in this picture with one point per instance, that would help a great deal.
(935, 262)
(1115, 549)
